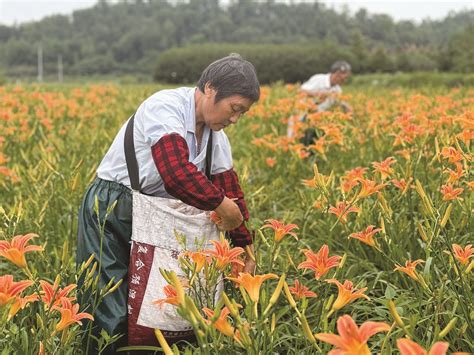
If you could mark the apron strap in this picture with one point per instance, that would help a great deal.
(209, 155)
(131, 159)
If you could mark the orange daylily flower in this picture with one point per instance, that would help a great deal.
(348, 184)
(290, 87)
(367, 236)
(451, 154)
(301, 291)
(270, 162)
(402, 184)
(384, 168)
(466, 136)
(342, 210)
(412, 131)
(222, 324)
(15, 249)
(352, 339)
(318, 204)
(351, 178)
(319, 146)
(51, 294)
(171, 297)
(302, 153)
(409, 268)
(466, 120)
(449, 193)
(224, 254)
(10, 291)
(20, 303)
(70, 315)
(252, 283)
(320, 263)
(356, 173)
(309, 182)
(280, 229)
(333, 134)
(3, 159)
(346, 293)
(409, 347)
(9, 173)
(199, 258)
(454, 175)
(369, 187)
(463, 255)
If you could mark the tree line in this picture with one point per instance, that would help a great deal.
(129, 37)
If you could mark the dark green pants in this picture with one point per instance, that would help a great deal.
(111, 314)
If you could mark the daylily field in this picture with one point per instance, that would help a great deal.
(363, 239)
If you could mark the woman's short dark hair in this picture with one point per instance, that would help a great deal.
(231, 75)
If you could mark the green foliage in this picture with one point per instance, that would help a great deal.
(461, 51)
(415, 60)
(360, 50)
(127, 37)
(293, 63)
(380, 61)
(3, 80)
(289, 63)
(413, 80)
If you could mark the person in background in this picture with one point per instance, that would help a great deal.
(325, 88)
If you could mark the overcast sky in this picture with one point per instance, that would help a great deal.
(18, 11)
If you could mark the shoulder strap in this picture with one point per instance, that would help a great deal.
(209, 155)
(130, 157)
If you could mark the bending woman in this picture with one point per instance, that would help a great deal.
(171, 131)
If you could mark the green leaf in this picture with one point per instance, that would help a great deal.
(390, 292)
(105, 335)
(426, 270)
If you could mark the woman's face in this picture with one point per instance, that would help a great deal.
(225, 112)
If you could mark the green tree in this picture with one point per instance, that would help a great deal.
(380, 61)
(131, 34)
(461, 51)
(360, 51)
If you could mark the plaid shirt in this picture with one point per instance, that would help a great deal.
(185, 182)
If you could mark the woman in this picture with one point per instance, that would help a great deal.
(171, 132)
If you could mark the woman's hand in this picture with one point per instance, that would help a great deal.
(249, 262)
(229, 214)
